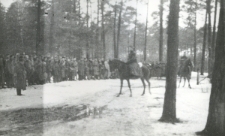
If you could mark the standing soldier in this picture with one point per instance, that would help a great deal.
(81, 69)
(31, 76)
(106, 64)
(27, 65)
(63, 69)
(20, 76)
(1, 72)
(55, 71)
(6, 71)
(10, 68)
(75, 68)
(43, 71)
(90, 65)
(49, 69)
(96, 69)
(70, 69)
(87, 74)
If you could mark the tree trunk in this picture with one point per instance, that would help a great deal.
(103, 30)
(114, 34)
(169, 107)
(52, 23)
(79, 23)
(146, 28)
(118, 32)
(216, 117)
(161, 32)
(97, 33)
(135, 28)
(87, 36)
(204, 45)
(195, 35)
(214, 33)
(209, 38)
(38, 31)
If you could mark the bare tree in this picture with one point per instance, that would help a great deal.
(204, 46)
(215, 125)
(161, 32)
(114, 33)
(214, 33)
(38, 31)
(195, 33)
(51, 40)
(209, 38)
(146, 33)
(169, 107)
(119, 25)
(87, 41)
(103, 30)
(97, 33)
(135, 27)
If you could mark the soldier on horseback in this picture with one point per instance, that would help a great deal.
(181, 62)
(134, 68)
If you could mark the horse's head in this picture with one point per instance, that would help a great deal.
(111, 65)
(114, 64)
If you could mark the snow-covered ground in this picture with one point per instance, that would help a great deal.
(114, 116)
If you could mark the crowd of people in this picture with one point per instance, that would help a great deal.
(42, 69)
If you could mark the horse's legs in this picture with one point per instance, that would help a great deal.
(149, 84)
(189, 85)
(121, 86)
(180, 81)
(143, 82)
(184, 81)
(128, 82)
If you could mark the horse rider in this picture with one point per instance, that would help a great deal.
(181, 62)
(134, 68)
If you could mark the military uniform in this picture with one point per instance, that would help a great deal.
(20, 76)
(81, 69)
(1, 72)
(75, 64)
(55, 71)
(181, 62)
(96, 68)
(87, 69)
(134, 68)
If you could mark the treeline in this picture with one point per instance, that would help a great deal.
(108, 30)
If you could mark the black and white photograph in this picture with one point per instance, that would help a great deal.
(112, 67)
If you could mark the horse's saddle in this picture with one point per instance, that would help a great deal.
(135, 70)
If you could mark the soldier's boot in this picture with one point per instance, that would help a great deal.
(18, 91)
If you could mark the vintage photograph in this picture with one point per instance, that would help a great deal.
(112, 67)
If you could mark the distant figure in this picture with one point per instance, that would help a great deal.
(1, 72)
(20, 76)
(134, 68)
(181, 62)
(81, 68)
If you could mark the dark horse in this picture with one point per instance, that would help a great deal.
(123, 70)
(185, 71)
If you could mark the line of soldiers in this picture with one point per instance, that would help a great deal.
(34, 70)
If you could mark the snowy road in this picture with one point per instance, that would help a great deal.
(122, 116)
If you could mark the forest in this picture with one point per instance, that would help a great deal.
(107, 29)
